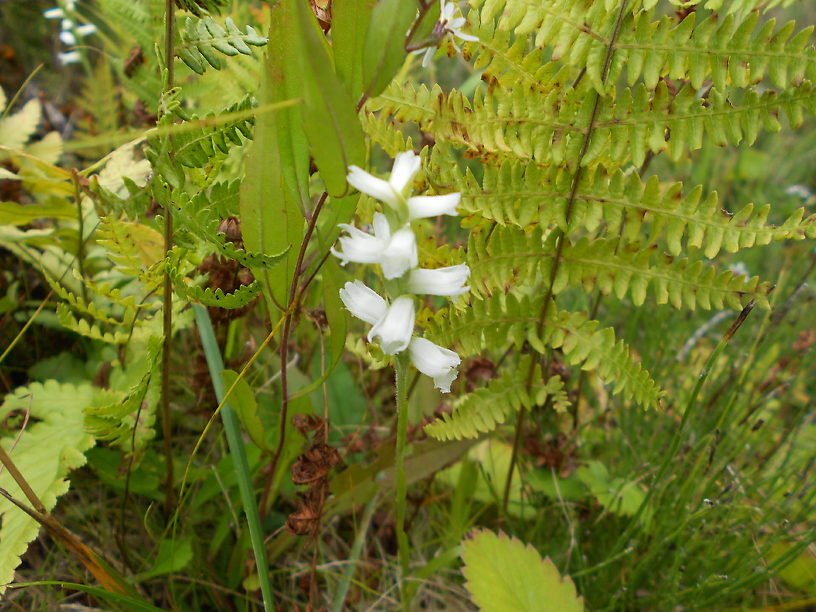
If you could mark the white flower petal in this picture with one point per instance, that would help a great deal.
(66, 24)
(381, 228)
(359, 247)
(449, 281)
(363, 302)
(371, 185)
(446, 10)
(67, 38)
(455, 24)
(459, 34)
(426, 59)
(69, 57)
(86, 29)
(420, 207)
(400, 255)
(432, 360)
(397, 326)
(406, 165)
(54, 13)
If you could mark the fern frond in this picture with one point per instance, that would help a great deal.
(196, 148)
(508, 254)
(381, 129)
(89, 330)
(550, 129)
(521, 194)
(484, 409)
(732, 6)
(217, 298)
(202, 214)
(126, 419)
(203, 41)
(78, 303)
(728, 51)
(508, 63)
(633, 271)
(500, 319)
(134, 248)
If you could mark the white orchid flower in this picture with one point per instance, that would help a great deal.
(395, 191)
(67, 37)
(363, 302)
(392, 191)
(449, 281)
(435, 361)
(397, 326)
(448, 24)
(396, 253)
(69, 57)
(86, 29)
(420, 207)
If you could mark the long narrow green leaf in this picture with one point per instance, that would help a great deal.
(271, 219)
(236, 445)
(329, 114)
(350, 19)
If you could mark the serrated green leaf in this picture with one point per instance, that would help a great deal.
(505, 575)
(44, 454)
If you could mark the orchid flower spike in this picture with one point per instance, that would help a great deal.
(395, 191)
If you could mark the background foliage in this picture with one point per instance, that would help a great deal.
(633, 412)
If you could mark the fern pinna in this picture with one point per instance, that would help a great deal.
(578, 99)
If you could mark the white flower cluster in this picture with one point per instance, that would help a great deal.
(69, 30)
(449, 23)
(392, 246)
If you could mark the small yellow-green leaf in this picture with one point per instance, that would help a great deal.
(505, 575)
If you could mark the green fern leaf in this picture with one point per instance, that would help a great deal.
(484, 409)
(196, 148)
(45, 453)
(204, 41)
(499, 320)
(89, 330)
(521, 194)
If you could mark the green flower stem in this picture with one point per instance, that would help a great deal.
(237, 452)
(402, 483)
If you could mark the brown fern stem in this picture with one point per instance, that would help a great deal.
(167, 295)
(561, 237)
(288, 327)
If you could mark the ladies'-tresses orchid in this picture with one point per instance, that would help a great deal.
(395, 191)
(393, 325)
(396, 253)
(393, 246)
